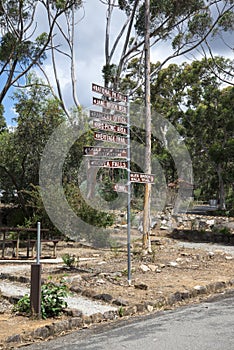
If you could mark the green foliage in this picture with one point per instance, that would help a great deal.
(52, 301)
(23, 305)
(121, 311)
(70, 260)
(109, 72)
(84, 211)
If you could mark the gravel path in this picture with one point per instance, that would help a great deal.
(88, 307)
(211, 247)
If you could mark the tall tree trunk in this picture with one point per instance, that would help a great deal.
(146, 243)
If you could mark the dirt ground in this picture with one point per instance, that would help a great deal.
(171, 268)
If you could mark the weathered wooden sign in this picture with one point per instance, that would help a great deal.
(115, 118)
(110, 127)
(110, 105)
(143, 178)
(110, 138)
(105, 152)
(108, 163)
(109, 93)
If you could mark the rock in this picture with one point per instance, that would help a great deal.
(73, 312)
(105, 297)
(144, 268)
(173, 264)
(184, 254)
(130, 311)
(100, 281)
(73, 279)
(120, 302)
(109, 315)
(116, 274)
(141, 285)
(162, 266)
(98, 317)
(158, 270)
(211, 255)
(179, 260)
(200, 289)
(149, 307)
(76, 289)
(16, 338)
(42, 333)
(228, 257)
(153, 268)
(140, 307)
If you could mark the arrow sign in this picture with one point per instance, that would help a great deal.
(110, 127)
(142, 178)
(108, 164)
(111, 138)
(120, 188)
(110, 105)
(105, 152)
(115, 118)
(109, 93)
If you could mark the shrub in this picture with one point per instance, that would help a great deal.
(52, 300)
(70, 260)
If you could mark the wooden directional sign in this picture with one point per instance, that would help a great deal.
(109, 93)
(120, 188)
(110, 105)
(110, 127)
(115, 118)
(143, 178)
(105, 152)
(111, 138)
(108, 164)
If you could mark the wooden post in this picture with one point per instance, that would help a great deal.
(35, 291)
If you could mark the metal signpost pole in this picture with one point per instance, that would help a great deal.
(38, 242)
(129, 200)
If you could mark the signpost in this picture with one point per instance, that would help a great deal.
(108, 164)
(115, 118)
(142, 178)
(119, 115)
(105, 152)
(109, 93)
(110, 105)
(110, 138)
(110, 127)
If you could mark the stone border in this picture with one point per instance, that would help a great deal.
(79, 321)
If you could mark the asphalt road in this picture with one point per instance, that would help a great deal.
(206, 326)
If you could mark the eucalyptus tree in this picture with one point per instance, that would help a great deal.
(27, 34)
(186, 26)
(38, 113)
(193, 98)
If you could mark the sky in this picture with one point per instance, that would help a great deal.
(90, 35)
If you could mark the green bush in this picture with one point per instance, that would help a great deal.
(70, 260)
(52, 300)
